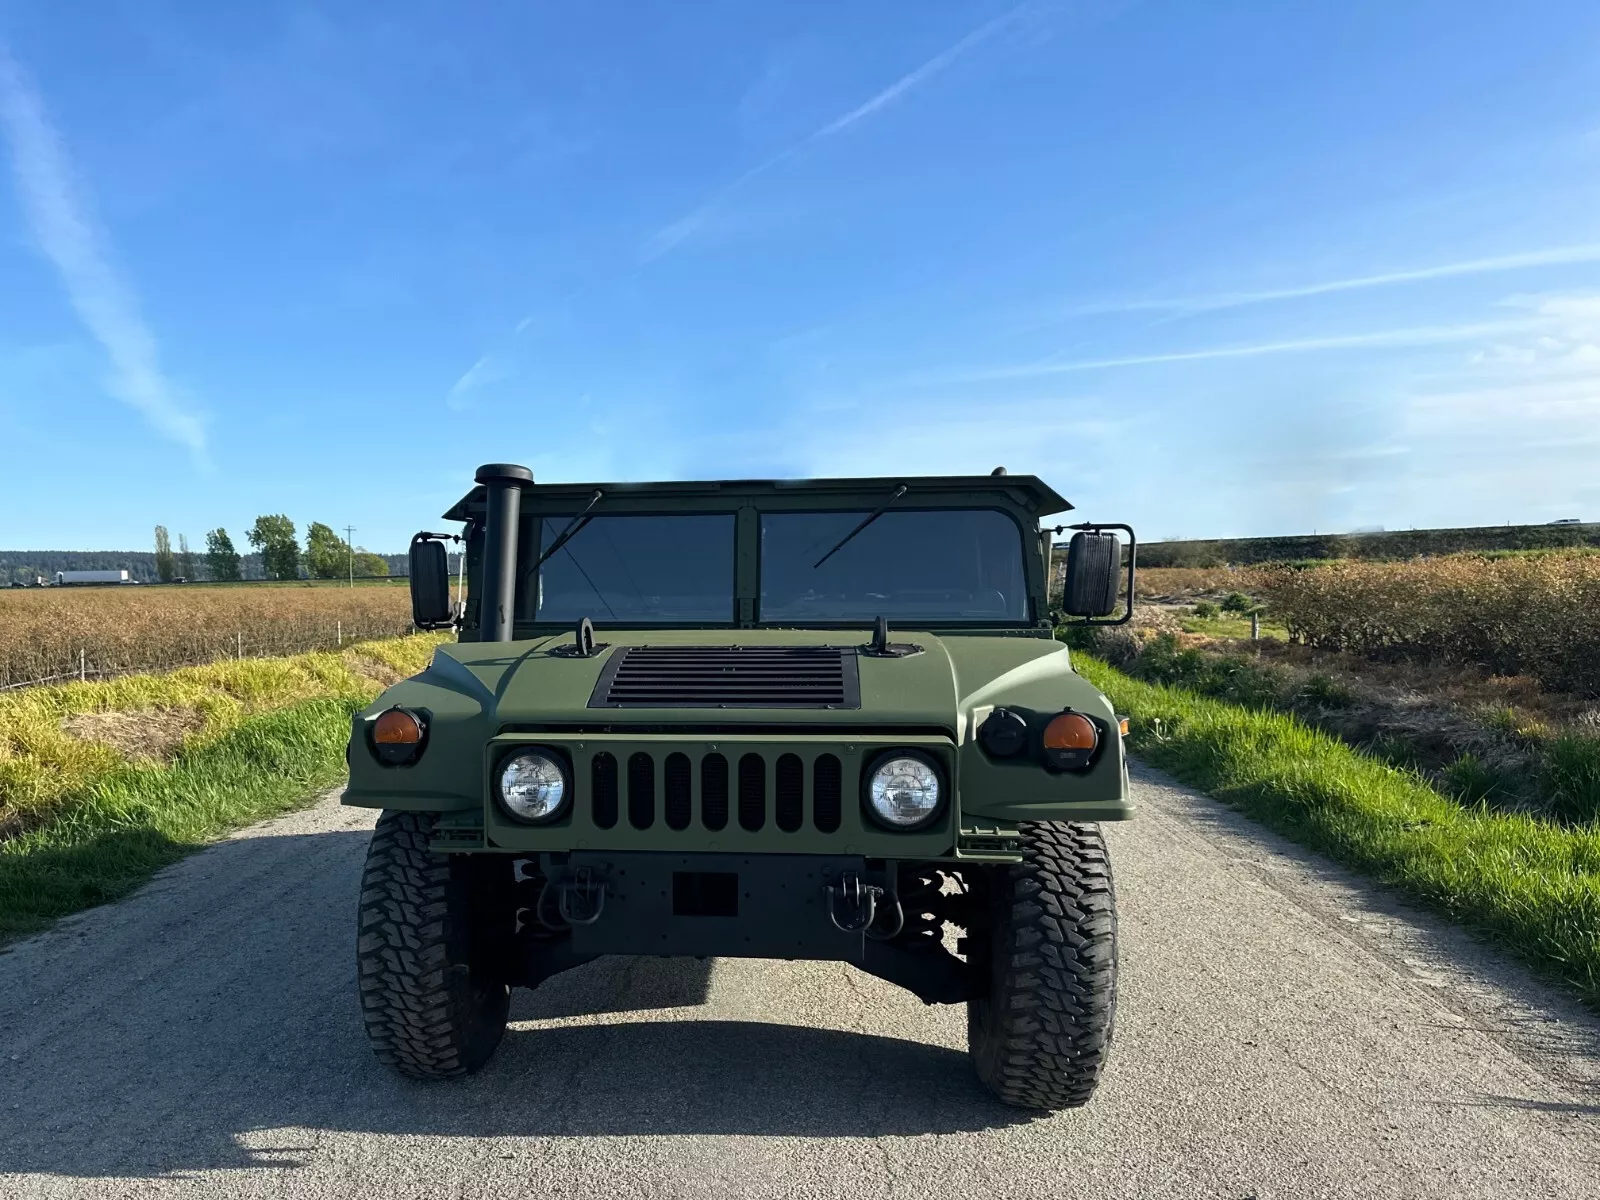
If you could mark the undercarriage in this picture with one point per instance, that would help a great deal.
(1029, 947)
(531, 918)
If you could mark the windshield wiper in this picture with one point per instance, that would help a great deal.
(571, 531)
(842, 542)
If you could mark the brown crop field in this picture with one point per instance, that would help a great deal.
(1186, 583)
(1537, 616)
(54, 633)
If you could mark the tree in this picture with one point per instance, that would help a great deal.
(273, 536)
(164, 561)
(185, 559)
(327, 554)
(222, 560)
(369, 565)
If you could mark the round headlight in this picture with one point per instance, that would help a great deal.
(533, 786)
(904, 791)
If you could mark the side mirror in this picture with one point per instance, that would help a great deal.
(430, 584)
(1094, 568)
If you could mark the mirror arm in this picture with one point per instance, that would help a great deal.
(1133, 555)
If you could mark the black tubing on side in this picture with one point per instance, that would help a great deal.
(503, 482)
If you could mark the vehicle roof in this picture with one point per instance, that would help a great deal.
(1028, 492)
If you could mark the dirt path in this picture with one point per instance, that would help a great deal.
(1284, 1032)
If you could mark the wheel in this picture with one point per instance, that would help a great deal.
(426, 1013)
(1038, 1038)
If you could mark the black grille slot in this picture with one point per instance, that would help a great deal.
(826, 802)
(752, 792)
(714, 791)
(729, 677)
(641, 791)
(789, 793)
(603, 789)
(676, 805)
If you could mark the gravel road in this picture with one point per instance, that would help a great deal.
(1284, 1031)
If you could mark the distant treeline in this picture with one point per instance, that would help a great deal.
(24, 566)
(1397, 544)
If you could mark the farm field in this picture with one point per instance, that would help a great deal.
(1479, 674)
(58, 633)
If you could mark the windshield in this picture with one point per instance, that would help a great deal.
(947, 565)
(639, 569)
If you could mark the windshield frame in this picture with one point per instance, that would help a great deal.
(748, 501)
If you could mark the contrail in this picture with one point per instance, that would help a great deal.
(1556, 256)
(669, 237)
(1426, 335)
(63, 224)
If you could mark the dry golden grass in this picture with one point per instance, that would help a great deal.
(1188, 582)
(117, 630)
(1535, 615)
(55, 741)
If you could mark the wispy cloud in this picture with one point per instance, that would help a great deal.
(480, 374)
(1426, 335)
(669, 237)
(1183, 305)
(63, 224)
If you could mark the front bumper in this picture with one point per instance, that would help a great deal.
(712, 905)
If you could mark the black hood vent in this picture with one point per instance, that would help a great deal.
(729, 677)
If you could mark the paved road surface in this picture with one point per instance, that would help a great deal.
(1284, 1032)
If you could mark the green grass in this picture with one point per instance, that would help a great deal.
(87, 824)
(1530, 885)
(1227, 625)
(129, 822)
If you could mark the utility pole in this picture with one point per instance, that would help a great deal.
(350, 545)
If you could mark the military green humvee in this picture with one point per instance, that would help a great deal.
(812, 719)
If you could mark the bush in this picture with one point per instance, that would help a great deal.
(1237, 602)
(1205, 610)
(1530, 615)
(1323, 691)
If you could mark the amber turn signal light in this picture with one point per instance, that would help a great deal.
(397, 727)
(398, 737)
(1070, 740)
(1070, 731)
(1122, 726)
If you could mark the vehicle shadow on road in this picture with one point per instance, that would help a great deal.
(232, 1040)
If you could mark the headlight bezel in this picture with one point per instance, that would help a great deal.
(551, 755)
(941, 778)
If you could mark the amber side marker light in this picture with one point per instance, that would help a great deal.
(397, 737)
(1069, 741)
(1122, 726)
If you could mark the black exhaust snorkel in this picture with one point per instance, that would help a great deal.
(503, 484)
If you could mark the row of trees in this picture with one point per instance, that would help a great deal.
(326, 555)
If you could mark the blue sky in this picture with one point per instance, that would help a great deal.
(1223, 268)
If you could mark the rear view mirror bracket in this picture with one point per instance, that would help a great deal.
(1094, 527)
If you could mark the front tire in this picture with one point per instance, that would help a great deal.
(427, 1014)
(1038, 1038)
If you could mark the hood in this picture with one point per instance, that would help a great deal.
(537, 682)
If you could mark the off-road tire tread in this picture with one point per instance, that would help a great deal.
(1039, 1038)
(424, 1013)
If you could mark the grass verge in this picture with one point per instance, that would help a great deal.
(89, 823)
(1531, 885)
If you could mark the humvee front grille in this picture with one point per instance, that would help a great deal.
(729, 677)
(688, 793)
